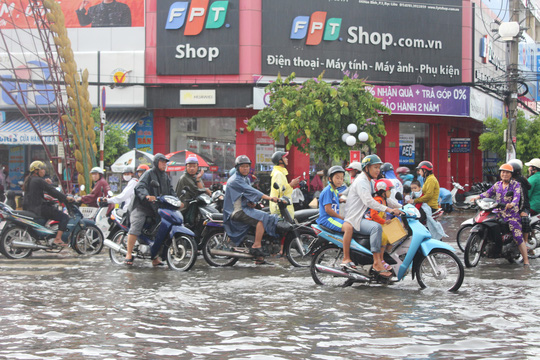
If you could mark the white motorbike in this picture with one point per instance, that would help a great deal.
(463, 200)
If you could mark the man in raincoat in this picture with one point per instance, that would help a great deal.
(239, 214)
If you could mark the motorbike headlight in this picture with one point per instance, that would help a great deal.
(172, 200)
(412, 211)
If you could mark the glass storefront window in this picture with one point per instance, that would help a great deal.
(413, 143)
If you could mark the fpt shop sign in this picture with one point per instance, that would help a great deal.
(380, 40)
(197, 37)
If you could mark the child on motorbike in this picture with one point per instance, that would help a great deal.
(329, 200)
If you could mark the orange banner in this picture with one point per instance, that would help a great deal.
(78, 13)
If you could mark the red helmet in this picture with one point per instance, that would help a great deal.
(143, 167)
(426, 165)
(383, 184)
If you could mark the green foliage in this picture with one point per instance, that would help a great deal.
(527, 140)
(314, 115)
(115, 143)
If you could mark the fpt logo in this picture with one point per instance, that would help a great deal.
(316, 28)
(196, 16)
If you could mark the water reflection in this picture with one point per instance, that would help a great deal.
(66, 307)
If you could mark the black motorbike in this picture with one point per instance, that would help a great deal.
(197, 212)
(490, 236)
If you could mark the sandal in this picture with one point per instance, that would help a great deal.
(60, 243)
(386, 265)
(128, 262)
(349, 266)
(257, 252)
(383, 273)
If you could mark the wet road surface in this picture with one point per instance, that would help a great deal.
(64, 306)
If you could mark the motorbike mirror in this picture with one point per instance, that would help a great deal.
(110, 193)
(82, 188)
(399, 196)
(276, 186)
(154, 183)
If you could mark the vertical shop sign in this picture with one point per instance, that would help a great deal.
(16, 165)
(354, 155)
(406, 149)
(145, 135)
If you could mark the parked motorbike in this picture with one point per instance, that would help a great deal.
(299, 239)
(24, 232)
(490, 236)
(167, 237)
(433, 262)
(464, 200)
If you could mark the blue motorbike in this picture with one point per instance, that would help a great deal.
(433, 262)
(163, 235)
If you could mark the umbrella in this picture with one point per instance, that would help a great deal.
(132, 158)
(177, 161)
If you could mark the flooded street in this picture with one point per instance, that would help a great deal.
(69, 307)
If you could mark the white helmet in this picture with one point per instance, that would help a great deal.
(355, 165)
(97, 169)
(534, 162)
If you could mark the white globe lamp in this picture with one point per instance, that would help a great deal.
(363, 136)
(352, 128)
(351, 140)
(345, 136)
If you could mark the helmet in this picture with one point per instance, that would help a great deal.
(159, 157)
(534, 162)
(278, 155)
(506, 167)
(403, 170)
(516, 164)
(192, 159)
(386, 167)
(370, 160)
(355, 165)
(127, 169)
(97, 169)
(241, 160)
(425, 165)
(334, 170)
(37, 165)
(383, 184)
(143, 167)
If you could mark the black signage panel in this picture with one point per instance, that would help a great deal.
(197, 37)
(403, 41)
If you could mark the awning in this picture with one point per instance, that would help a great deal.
(19, 131)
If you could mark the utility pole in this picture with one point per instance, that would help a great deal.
(512, 81)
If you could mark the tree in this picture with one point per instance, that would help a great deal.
(526, 142)
(314, 115)
(115, 143)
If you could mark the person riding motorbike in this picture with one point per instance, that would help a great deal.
(511, 211)
(329, 203)
(35, 187)
(141, 169)
(126, 196)
(387, 170)
(239, 214)
(359, 201)
(534, 180)
(141, 207)
(101, 188)
(190, 181)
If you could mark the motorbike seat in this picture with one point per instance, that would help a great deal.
(31, 215)
(359, 238)
(304, 215)
(216, 217)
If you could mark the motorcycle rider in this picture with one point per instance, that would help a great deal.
(534, 180)
(191, 181)
(511, 212)
(387, 170)
(141, 169)
(359, 201)
(329, 202)
(239, 214)
(101, 188)
(430, 189)
(145, 195)
(34, 187)
(128, 193)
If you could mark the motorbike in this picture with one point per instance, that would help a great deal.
(491, 237)
(463, 233)
(167, 237)
(197, 211)
(432, 262)
(299, 239)
(24, 232)
(464, 200)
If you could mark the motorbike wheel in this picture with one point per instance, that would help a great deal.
(182, 253)
(88, 241)
(473, 250)
(534, 238)
(116, 256)
(441, 268)
(462, 236)
(331, 256)
(300, 249)
(219, 241)
(14, 234)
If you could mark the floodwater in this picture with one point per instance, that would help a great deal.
(63, 306)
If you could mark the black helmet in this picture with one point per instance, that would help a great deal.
(241, 160)
(386, 167)
(278, 155)
(159, 157)
(334, 170)
(517, 165)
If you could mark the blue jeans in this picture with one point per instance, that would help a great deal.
(374, 230)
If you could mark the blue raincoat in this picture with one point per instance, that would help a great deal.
(240, 186)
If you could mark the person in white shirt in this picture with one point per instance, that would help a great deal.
(127, 194)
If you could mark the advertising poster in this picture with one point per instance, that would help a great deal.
(264, 154)
(193, 146)
(77, 13)
(230, 156)
(218, 150)
(369, 39)
(145, 135)
(16, 165)
(406, 149)
(205, 149)
(460, 145)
